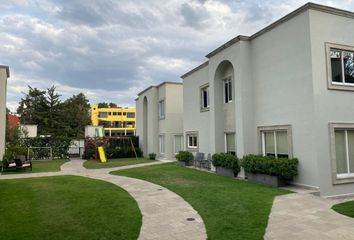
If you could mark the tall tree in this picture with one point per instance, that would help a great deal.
(54, 108)
(103, 105)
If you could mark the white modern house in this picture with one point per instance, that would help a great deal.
(159, 119)
(4, 75)
(286, 91)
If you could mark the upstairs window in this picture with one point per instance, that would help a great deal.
(103, 114)
(204, 98)
(130, 115)
(228, 90)
(162, 109)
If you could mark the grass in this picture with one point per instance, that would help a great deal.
(66, 207)
(94, 164)
(231, 209)
(41, 166)
(346, 208)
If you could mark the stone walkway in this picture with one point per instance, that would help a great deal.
(165, 214)
(307, 217)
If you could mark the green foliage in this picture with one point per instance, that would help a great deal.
(54, 117)
(102, 105)
(152, 156)
(12, 151)
(126, 152)
(281, 167)
(60, 146)
(184, 156)
(226, 160)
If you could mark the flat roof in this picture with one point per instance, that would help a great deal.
(156, 86)
(309, 5)
(7, 70)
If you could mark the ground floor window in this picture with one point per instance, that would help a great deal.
(192, 140)
(178, 143)
(344, 149)
(162, 144)
(230, 143)
(276, 141)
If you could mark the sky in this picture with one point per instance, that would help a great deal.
(112, 49)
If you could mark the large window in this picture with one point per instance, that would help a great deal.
(130, 115)
(103, 114)
(340, 67)
(162, 144)
(204, 98)
(230, 143)
(192, 140)
(276, 141)
(228, 89)
(162, 109)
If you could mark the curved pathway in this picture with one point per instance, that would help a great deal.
(165, 214)
(306, 216)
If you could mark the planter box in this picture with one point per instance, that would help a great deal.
(183, 163)
(265, 179)
(225, 172)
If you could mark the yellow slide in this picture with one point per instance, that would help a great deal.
(102, 154)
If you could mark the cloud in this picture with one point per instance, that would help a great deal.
(111, 50)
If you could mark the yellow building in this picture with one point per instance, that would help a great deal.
(117, 121)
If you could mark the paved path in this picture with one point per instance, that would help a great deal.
(307, 217)
(164, 213)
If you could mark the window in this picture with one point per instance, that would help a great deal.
(192, 140)
(124, 113)
(340, 66)
(342, 147)
(109, 113)
(177, 143)
(276, 141)
(103, 114)
(204, 98)
(130, 115)
(162, 109)
(119, 113)
(230, 143)
(114, 113)
(162, 144)
(228, 90)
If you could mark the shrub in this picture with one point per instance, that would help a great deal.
(282, 167)
(12, 151)
(226, 160)
(152, 156)
(184, 156)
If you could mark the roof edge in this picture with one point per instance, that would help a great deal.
(7, 70)
(195, 69)
(159, 85)
(227, 44)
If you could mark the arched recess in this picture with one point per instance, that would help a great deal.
(145, 126)
(224, 100)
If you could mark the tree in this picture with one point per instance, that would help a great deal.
(77, 114)
(112, 105)
(12, 132)
(103, 105)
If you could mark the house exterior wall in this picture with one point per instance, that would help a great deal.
(28, 130)
(4, 74)
(331, 106)
(150, 127)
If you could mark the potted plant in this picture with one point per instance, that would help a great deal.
(276, 172)
(184, 158)
(152, 156)
(226, 164)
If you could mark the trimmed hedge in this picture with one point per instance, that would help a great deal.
(226, 160)
(184, 156)
(282, 167)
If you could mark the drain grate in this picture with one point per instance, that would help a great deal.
(190, 219)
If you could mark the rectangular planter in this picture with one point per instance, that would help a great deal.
(265, 179)
(224, 172)
(183, 163)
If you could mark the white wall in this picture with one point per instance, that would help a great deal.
(3, 91)
(331, 105)
(28, 130)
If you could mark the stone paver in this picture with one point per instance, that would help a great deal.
(306, 216)
(164, 213)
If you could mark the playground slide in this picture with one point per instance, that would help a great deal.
(101, 154)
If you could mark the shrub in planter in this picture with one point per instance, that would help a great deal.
(284, 169)
(184, 158)
(226, 164)
(152, 156)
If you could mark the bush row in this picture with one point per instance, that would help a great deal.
(226, 160)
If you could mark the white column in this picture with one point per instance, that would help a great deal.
(4, 74)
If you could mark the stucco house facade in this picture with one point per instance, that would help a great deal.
(159, 116)
(286, 91)
(4, 75)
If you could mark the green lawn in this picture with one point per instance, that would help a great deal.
(346, 208)
(41, 166)
(66, 207)
(231, 209)
(94, 164)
